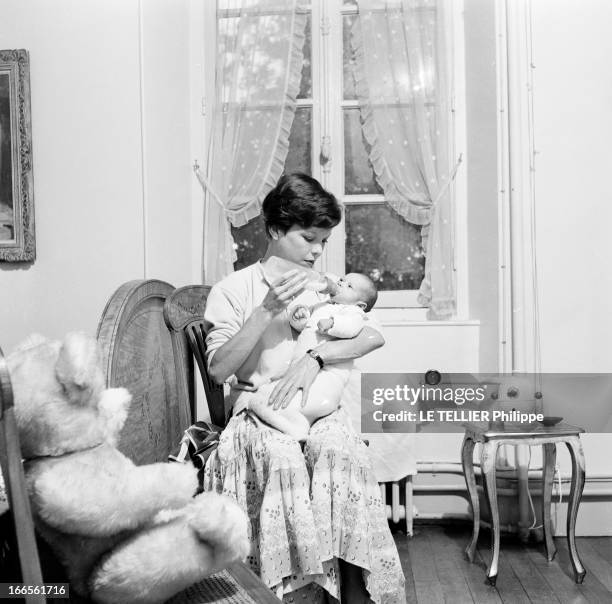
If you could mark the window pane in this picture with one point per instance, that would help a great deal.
(299, 158)
(262, 66)
(348, 61)
(358, 172)
(306, 82)
(250, 242)
(381, 244)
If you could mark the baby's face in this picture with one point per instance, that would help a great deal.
(352, 288)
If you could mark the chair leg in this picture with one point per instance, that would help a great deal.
(409, 505)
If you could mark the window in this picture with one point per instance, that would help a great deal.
(327, 142)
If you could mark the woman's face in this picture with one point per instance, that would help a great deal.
(299, 244)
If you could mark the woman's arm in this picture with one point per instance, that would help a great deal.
(230, 356)
(336, 351)
(302, 373)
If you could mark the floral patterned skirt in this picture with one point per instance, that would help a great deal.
(308, 509)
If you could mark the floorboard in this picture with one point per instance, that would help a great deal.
(426, 583)
(595, 562)
(558, 582)
(437, 571)
(528, 574)
(447, 564)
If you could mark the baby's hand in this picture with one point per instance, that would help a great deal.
(299, 317)
(325, 325)
(300, 312)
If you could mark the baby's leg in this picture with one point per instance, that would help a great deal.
(289, 420)
(325, 393)
(295, 420)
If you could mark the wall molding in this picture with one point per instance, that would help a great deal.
(521, 168)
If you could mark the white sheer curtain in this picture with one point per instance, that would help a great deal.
(403, 79)
(257, 77)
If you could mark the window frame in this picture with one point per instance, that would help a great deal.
(327, 90)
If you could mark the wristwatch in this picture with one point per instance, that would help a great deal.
(316, 356)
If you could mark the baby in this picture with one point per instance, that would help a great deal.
(342, 316)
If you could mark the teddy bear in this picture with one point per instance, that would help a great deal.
(124, 533)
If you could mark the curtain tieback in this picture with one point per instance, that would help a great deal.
(447, 184)
(205, 184)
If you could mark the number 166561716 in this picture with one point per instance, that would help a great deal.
(49, 590)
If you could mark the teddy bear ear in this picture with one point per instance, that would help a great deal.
(77, 367)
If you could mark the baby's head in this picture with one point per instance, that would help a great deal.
(355, 288)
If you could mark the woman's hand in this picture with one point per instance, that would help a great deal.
(283, 290)
(299, 376)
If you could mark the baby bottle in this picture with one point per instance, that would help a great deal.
(274, 267)
(326, 283)
(317, 282)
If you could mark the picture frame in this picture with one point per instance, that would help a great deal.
(17, 235)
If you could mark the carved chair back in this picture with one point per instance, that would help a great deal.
(137, 354)
(184, 315)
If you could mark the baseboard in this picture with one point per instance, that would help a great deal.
(450, 504)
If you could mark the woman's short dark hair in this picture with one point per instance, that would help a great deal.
(299, 199)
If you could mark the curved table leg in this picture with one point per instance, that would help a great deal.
(578, 477)
(522, 457)
(488, 459)
(467, 460)
(550, 456)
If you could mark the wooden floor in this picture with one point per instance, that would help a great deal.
(437, 572)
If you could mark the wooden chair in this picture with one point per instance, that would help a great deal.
(140, 354)
(14, 480)
(137, 354)
(184, 316)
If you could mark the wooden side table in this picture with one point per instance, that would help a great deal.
(491, 437)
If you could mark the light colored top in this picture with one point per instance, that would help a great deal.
(349, 319)
(229, 305)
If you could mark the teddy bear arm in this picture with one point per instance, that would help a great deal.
(67, 510)
(162, 486)
(102, 503)
(148, 489)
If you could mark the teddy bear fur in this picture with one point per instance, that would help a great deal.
(125, 533)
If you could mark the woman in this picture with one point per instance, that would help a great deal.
(317, 521)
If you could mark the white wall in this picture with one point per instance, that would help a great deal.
(415, 347)
(573, 123)
(167, 132)
(109, 83)
(481, 90)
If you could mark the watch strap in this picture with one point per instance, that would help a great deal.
(316, 356)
